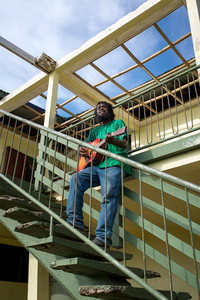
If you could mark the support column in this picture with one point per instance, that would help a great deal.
(49, 119)
(193, 7)
(51, 100)
(38, 281)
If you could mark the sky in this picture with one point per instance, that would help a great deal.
(59, 27)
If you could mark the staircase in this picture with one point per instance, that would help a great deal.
(32, 228)
(30, 211)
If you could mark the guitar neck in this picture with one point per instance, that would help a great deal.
(115, 133)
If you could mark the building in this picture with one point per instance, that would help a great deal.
(158, 220)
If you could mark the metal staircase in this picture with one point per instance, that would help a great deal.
(32, 205)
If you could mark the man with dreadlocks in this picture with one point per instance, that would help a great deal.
(116, 144)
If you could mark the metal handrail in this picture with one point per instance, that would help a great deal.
(48, 135)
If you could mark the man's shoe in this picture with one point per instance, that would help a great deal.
(99, 243)
(77, 228)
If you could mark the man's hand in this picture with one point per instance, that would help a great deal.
(109, 138)
(83, 151)
(112, 140)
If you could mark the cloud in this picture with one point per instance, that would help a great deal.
(53, 27)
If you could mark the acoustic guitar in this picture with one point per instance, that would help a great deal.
(97, 158)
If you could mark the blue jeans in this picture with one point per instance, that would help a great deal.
(113, 191)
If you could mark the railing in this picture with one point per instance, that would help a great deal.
(158, 214)
(155, 114)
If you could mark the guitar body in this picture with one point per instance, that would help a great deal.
(85, 161)
(97, 158)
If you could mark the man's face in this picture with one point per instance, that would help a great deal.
(102, 113)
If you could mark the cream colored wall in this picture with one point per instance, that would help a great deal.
(161, 283)
(13, 290)
(179, 160)
(31, 146)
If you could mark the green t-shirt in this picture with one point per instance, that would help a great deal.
(100, 132)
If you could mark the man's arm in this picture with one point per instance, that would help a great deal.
(119, 143)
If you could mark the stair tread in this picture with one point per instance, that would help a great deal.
(7, 188)
(41, 229)
(89, 267)
(70, 249)
(24, 215)
(126, 292)
(8, 201)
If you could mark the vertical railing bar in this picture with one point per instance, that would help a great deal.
(139, 118)
(25, 158)
(134, 127)
(2, 122)
(43, 166)
(75, 198)
(192, 242)
(122, 117)
(166, 237)
(76, 132)
(183, 103)
(190, 103)
(51, 227)
(169, 107)
(145, 119)
(123, 213)
(196, 93)
(93, 122)
(142, 221)
(5, 142)
(16, 161)
(157, 119)
(188, 81)
(105, 203)
(11, 147)
(175, 101)
(134, 130)
(151, 125)
(163, 116)
(90, 210)
(81, 131)
(63, 188)
(128, 125)
(53, 168)
(34, 160)
(51, 188)
(85, 131)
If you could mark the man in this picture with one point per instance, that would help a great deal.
(117, 144)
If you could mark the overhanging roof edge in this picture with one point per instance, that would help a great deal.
(106, 40)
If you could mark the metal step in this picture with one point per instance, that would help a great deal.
(8, 189)
(70, 249)
(8, 201)
(126, 292)
(24, 215)
(41, 229)
(89, 267)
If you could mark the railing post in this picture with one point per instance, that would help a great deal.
(193, 7)
(117, 241)
(49, 117)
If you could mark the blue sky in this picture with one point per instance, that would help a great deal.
(59, 27)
